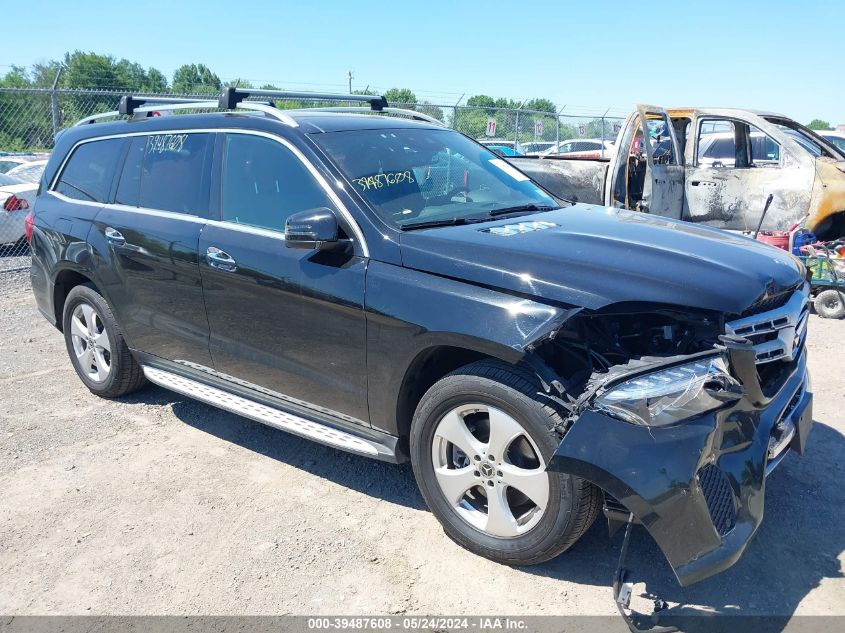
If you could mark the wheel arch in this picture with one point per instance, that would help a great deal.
(66, 280)
(428, 366)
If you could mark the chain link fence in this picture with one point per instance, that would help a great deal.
(30, 118)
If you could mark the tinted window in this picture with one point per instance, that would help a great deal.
(264, 183)
(129, 187)
(89, 172)
(175, 173)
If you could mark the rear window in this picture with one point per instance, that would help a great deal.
(169, 172)
(89, 171)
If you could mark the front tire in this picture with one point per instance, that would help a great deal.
(96, 347)
(480, 444)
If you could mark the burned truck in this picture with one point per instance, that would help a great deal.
(714, 166)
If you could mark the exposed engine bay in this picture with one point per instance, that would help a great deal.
(593, 343)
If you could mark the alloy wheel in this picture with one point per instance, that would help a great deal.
(90, 342)
(490, 470)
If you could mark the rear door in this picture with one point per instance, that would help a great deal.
(285, 322)
(733, 166)
(150, 232)
(646, 172)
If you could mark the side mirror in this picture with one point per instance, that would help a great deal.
(313, 229)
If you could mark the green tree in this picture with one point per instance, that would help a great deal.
(540, 105)
(402, 96)
(819, 124)
(156, 81)
(89, 70)
(195, 79)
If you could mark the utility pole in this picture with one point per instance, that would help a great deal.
(350, 82)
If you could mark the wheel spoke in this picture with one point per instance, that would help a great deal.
(88, 315)
(102, 365)
(77, 328)
(102, 341)
(500, 519)
(86, 358)
(503, 430)
(453, 429)
(454, 482)
(533, 483)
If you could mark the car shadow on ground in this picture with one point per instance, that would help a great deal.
(389, 482)
(796, 548)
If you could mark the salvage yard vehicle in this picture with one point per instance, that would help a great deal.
(674, 174)
(392, 288)
(16, 198)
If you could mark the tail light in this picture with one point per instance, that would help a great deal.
(28, 225)
(13, 203)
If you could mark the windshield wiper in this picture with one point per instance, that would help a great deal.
(522, 207)
(444, 222)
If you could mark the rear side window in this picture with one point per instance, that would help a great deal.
(264, 183)
(175, 173)
(89, 171)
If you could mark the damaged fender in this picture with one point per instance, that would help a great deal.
(698, 485)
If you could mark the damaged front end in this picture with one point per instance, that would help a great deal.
(679, 419)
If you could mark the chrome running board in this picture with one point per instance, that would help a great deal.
(261, 413)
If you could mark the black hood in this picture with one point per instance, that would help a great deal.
(592, 256)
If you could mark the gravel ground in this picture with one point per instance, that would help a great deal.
(156, 504)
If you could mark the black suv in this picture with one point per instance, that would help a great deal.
(392, 288)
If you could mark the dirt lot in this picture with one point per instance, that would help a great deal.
(155, 504)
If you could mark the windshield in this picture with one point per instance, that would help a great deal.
(415, 176)
(807, 139)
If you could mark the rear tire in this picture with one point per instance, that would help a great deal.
(96, 346)
(830, 304)
(513, 511)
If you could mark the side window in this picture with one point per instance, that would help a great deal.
(129, 187)
(717, 143)
(175, 173)
(765, 152)
(89, 172)
(264, 183)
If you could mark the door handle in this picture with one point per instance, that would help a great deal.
(703, 183)
(220, 259)
(114, 237)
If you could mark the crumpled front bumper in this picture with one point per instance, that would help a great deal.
(698, 487)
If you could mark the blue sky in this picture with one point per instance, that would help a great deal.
(588, 56)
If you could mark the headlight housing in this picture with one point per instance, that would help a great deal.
(671, 395)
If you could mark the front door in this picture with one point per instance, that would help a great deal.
(151, 232)
(283, 321)
(646, 173)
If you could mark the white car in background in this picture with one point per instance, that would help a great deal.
(582, 148)
(834, 137)
(28, 172)
(16, 200)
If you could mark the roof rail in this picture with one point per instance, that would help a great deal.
(413, 114)
(235, 98)
(232, 96)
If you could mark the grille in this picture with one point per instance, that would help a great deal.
(777, 332)
(717, 494)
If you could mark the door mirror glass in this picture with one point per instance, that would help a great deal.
(312, 229)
